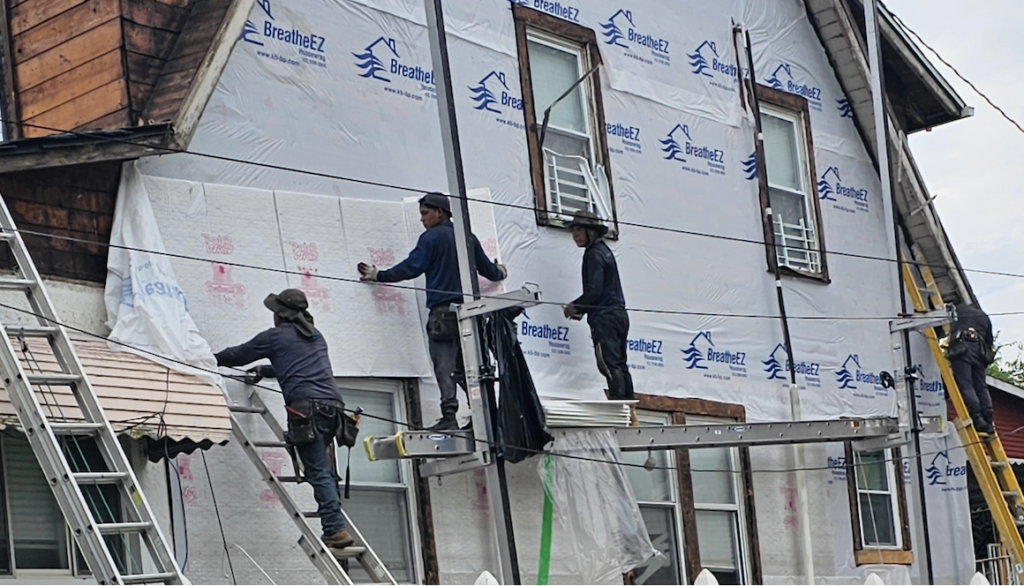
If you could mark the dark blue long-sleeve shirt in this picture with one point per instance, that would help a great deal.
(301, 365)
(601, 286)
(435, 255)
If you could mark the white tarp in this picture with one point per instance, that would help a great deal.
(147, 311)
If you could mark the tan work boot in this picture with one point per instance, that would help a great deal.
(339, 540)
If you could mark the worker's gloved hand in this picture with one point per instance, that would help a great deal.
(368, 272)
(252, 376)
(502, 268)
(569, 311)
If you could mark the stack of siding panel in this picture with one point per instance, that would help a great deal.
(587, 413)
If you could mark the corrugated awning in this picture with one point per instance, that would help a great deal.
(139, 396)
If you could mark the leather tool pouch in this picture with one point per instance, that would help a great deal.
(442, 325)
(301, 425)
(348, 430)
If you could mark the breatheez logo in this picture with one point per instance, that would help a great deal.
(721, 364)
(941, 469)
(492, 94)
(705, 63)
(629, 39)
(302, 47)
(776, 367)
(651, 351)
(781, 78)
(371, 61)
(850, 199)
(556, 336)
(629, 137)
(850, 376)
(845, 107)
(750, 167)
(714, 159)
(559, 9)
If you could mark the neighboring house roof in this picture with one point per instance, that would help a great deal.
(1008, 413)
(139, 396)
(929, 100)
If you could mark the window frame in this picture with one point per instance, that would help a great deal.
(798, 108)
(701, 409)
(901, 554)
(526, 19)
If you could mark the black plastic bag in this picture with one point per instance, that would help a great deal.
(521, 428)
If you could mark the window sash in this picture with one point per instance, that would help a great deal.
(865, 517)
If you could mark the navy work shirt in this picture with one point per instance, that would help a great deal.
(601, 287)
(300, 364)
(435, 255)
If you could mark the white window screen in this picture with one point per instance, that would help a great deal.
(658, 496)
(574, 176)
(718, 503)
(789, 190)
(876, 500)
(381, 502)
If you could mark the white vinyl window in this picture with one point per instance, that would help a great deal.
(657, 493)
(719, 507)
(790, 189)
(382, 503)
(574, 173)
(877, 501)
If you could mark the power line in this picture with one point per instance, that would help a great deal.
(354, 280)
(533, 209)
(955, 71)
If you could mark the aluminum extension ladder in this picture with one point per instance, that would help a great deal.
(984, 451)
(109, 544)
(332, 563)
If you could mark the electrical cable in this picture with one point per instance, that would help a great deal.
(216, 510)
(355, 280)
(533, 209)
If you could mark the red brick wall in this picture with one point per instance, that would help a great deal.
(76, 201)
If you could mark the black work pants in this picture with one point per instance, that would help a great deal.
(609, 329)
(969, 372)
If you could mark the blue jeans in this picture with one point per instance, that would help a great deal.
(317, 471)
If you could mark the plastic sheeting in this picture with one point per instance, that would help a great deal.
(362, 105)
(147, 311)
(596, 509)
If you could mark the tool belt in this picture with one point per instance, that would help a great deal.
(302, 427)
(442, 325)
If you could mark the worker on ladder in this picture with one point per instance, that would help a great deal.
(603, 303)
(971, 350)
(300, 362)
(435, 254)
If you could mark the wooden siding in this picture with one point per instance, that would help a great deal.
(76, 201)
(68, 70)
(151, 31)
(1008, 412)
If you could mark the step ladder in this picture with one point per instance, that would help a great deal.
(984, 451)
(332, 563)
(111, 531)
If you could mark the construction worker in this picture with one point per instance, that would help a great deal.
(300, 363)
(603, 303)
(436, 256)
(971, 350)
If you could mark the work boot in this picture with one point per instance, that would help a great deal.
(983, 426)
(339, 540)
(448, 422)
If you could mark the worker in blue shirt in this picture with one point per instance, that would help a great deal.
(300, 362)
(603, 303)
(435, 255)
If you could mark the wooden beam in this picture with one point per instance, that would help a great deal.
(85, 153)
(8, 98)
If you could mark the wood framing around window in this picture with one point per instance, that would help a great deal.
(879, 555)
(680, 409)
(796, 105)
(425, 520)
(527, 18)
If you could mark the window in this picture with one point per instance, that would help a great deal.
(382, 504)
(699, 512)
(790, 190)
(32, 530)
(568, 156)
(878, 507)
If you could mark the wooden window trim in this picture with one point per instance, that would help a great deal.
(879, 555)
(421, 488)
(679, 409)
(524, 18)
(9, 106)
(799, 106)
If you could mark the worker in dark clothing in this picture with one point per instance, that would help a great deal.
(435, 255)
(300, 363)
(603, 303)
(971, 350)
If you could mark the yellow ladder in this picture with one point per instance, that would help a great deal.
(984, 451)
